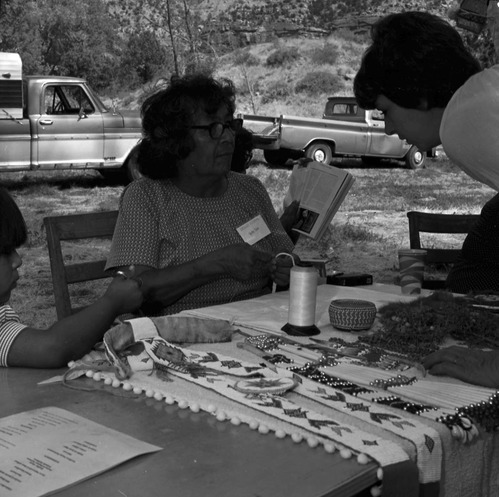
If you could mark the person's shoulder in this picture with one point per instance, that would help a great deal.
(147, 185)
(483, 85)
(245, 180)
(145, 188)
(7, 314)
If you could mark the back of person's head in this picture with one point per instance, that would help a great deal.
(167, 115)
(243, 150)
(13, 231)
(416, 59)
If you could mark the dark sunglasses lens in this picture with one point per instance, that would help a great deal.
(216, 130)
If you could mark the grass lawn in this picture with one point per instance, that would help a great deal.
(364, 236)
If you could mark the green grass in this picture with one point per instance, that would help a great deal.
(365, 234)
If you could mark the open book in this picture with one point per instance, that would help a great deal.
(323, 189)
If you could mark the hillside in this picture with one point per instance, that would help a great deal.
(281, 89)
(255, 21)
(288, 56)
(267, 89)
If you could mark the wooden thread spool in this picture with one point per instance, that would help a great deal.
(302, 301)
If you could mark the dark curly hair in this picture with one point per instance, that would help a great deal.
(167, 114)
(13, 231)
(414, 58)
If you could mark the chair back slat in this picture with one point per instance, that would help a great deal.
(68, 228)
(425, 222)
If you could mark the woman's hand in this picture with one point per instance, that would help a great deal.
(471, 365)
(290, 216)
(242, 261)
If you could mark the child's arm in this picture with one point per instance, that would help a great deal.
(72, 337)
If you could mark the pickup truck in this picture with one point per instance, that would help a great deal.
(345, 130)
(55, 122)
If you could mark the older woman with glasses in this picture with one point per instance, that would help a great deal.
(197, 233)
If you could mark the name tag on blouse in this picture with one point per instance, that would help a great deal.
(254, 230)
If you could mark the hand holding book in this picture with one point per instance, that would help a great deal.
(323, 189)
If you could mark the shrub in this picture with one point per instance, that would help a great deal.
(283, 56)
(198, 64)
(318, 82)
(246, 58)
(325, 55)
(276, 90)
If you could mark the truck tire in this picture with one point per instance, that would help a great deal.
(279, 157)
(415, 158)
(114, 176)
(319, 152)
(370, 161)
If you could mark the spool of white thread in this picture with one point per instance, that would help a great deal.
(302, 296)
(302, 301)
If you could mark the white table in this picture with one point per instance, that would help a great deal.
(468, 470)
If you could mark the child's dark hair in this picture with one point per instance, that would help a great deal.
(13, 231)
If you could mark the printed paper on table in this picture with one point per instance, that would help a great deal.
(324, 190)
(45, 450)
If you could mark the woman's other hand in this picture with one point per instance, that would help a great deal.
(470, 365)
(290, 216)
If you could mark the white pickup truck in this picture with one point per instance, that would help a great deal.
(345, 130)
(55, 122)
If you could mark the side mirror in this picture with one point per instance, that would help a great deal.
(82, 114)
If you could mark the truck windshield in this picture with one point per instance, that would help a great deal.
(97, 99)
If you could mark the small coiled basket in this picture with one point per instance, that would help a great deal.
(351, 314)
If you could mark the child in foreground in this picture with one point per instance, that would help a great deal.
(67, 339)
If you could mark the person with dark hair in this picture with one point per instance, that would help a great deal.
(197, 233)
(418, 72)
(67, 339)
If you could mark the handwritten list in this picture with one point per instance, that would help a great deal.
(45, 450)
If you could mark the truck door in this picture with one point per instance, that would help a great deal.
(381, 143)
(349, 120)
(70, 129)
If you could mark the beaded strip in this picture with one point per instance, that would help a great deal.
(485, 413)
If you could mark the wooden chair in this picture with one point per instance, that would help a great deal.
(425, 222)
(75, 227)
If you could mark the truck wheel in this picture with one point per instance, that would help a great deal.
(279, 157)
(129, 171)
(319, 152)
(370, 161)
(415, 158)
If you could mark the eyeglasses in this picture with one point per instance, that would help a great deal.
(217, 129)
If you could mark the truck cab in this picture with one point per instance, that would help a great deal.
(58, 122)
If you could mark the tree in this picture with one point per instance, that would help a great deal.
(19, 32)
(172, 22)
(62, 37)
(144, 57)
